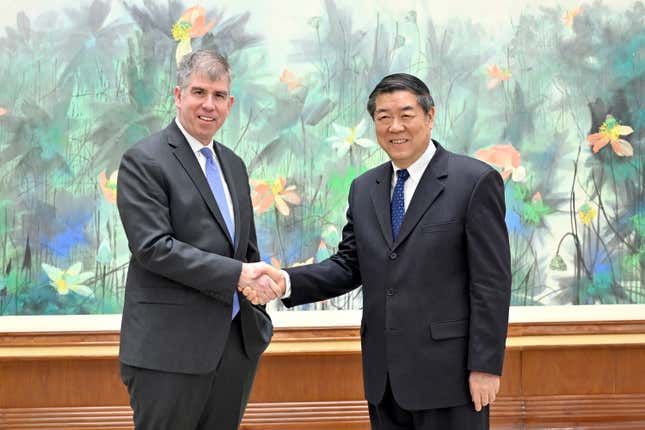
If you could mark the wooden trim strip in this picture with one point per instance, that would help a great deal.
(69, 349)
(565, 411)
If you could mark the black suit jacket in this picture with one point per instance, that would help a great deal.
(435, 301)
(184, 266)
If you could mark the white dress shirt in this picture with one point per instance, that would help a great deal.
(415, 170)
(196, 146)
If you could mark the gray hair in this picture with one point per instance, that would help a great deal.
(401, 82)
(209, 63)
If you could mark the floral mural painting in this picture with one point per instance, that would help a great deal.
(553, 98)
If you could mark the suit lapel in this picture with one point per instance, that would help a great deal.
(187, 159)
(429, 188)
(380, 194)
(226, 166)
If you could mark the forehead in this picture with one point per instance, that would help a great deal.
(202, 80)
(396, 101)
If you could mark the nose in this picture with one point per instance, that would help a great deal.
(396, 126)
(209, 103)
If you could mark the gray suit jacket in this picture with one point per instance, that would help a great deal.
(184, 266)
(435, 301)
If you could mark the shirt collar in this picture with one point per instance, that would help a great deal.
(417, 168)
(195, 144)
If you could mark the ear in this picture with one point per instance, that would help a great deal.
(231, 100)
(178, 97)
(430, 117)
(431, 113)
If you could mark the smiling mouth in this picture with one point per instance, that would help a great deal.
(398, 141)
(206, 118)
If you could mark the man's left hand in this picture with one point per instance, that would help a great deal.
(483, 388)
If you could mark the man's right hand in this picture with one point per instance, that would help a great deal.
(260, 283)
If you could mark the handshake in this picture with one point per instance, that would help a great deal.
(260, 283)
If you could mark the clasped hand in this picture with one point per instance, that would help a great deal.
(260, 283)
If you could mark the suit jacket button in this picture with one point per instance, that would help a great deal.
(393, 256)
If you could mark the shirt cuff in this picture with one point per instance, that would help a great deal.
(287, 284)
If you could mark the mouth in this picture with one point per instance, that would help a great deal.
(206, 118)
(398, 141)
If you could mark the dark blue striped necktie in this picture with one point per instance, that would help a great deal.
(397, 205)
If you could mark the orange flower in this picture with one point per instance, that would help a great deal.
(267, 194)
(497, 75)
(570, 15)
(193, 22)
(507, 158)
(190, 25)
(108, 186)
(610, 132)
(290, 78)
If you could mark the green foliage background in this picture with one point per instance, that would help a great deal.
(82, 84)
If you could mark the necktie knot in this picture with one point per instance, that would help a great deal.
(402, 175)
(207, 153)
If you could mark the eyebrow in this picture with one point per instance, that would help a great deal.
(218, 92)
(404, 108)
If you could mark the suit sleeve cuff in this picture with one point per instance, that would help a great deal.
(287, 284)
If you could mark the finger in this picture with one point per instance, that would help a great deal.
(478, 403)
(274, 288)
(253, 294)
(484, 397)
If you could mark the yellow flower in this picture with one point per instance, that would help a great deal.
(610, 132)
(587, 214)
(181, 31)
(68, 280)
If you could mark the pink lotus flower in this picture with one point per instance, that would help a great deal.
(505, 157)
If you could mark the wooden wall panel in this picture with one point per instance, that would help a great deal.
(555, 377)
(46, 383)
(552, 372)
(630, 371)
(302, 379)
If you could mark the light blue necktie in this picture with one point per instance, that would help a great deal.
(397, 206)
(215, 182)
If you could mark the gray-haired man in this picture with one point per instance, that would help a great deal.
(189, 343)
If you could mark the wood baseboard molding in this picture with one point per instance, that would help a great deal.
(597, 412)
(77, 418)
(568, 409)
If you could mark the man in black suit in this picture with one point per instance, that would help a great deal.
(190, 344)
(426, 238)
